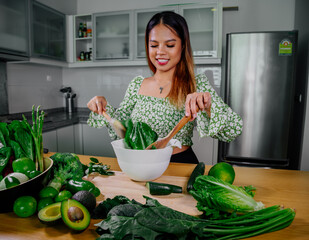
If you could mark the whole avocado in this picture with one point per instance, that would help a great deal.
(86, 198)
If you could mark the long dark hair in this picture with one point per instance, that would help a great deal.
(184, 80)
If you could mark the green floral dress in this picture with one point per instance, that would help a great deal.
(161, 116)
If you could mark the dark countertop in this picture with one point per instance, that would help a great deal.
(54, 118)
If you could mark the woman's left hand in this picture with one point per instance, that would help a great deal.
(197, 101)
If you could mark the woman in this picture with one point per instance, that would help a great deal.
(172, 92)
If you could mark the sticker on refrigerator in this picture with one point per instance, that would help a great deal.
(285, 48)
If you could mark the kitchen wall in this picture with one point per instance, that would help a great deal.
(3, 89)
(33, 84)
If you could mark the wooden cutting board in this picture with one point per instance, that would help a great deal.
(121, 184)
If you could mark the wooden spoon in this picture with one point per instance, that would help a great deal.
(116, 125)
(164, 141)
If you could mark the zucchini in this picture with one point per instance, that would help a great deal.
(197, 171)
(156, 188)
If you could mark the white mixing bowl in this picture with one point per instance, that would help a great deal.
(143, 165)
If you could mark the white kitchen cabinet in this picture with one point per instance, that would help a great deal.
(113, 35)
(50, 141)
(119, 37)
(96, 142)
(205, 27)
(78, 138)
(65, 139)
(141, 18)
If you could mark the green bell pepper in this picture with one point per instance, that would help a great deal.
(75, 185)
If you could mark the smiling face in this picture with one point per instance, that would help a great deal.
(164, 48)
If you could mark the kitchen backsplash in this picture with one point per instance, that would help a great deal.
(36, 84)
(29, 84)
(112, 82)
(3, 89)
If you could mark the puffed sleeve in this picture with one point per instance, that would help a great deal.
(223, 124)
(121, 113)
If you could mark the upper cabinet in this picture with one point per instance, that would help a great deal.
(113, 36)
(205, 27)
(141, 18)
(14, 27)
(48, 33)
(118, 38)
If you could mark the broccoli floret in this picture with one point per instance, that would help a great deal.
(66, 166)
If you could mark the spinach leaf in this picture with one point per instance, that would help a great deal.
(101, 211)
(139, 135)
(120, 227)
(25, 140)
(20, 139)
(164, 219)
(18, 151)
(125, 210)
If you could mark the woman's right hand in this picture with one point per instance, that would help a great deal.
(97, 104)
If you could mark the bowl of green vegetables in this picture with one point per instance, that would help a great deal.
(17, 184)
(23, 168)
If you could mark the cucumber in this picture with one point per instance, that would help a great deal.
(156, 188)
(197, 171)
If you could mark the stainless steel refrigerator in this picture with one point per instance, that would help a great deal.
(260, 86)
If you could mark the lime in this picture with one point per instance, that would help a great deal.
(48, 192)
(25, 206)
(22, 165)
(223, 171)
(63, 195)
(44, 202)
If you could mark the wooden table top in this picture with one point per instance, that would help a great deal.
(289, 188)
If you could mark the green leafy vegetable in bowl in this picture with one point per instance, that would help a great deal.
(139, 135)
(21, 140)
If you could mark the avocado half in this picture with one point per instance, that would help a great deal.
(75, 215)
(50, 214)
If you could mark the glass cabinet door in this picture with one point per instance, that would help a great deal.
(204, 27)
(112, 36)
(48, 32)
(142, 17)
(14, 26)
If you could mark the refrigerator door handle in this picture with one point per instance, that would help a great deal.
(299, 98)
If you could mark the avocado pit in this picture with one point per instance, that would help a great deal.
(75, 214)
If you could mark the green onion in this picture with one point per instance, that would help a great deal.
(266, 220)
